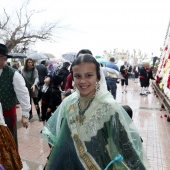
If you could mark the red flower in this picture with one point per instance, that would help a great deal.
(166, 48)
(168, 83)
(158, 79)
(165, 62)
(169, 56)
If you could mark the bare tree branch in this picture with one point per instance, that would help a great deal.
(19, 32)
(3, 24)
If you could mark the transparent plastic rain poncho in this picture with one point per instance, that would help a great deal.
(106, 131)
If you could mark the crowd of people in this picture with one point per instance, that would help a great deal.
(44, 85)
(142, 74)
(85, 126)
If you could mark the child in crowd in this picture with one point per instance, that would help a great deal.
(45, 95)
(50, 96)
(55, 98)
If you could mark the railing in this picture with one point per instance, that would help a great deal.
(162, 98)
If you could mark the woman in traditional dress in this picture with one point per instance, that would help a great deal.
(89, 129)
(9, 156)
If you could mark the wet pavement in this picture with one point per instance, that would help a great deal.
(148, 117)
(32, 148)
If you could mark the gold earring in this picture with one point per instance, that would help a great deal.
(97, 86)
(74, 87)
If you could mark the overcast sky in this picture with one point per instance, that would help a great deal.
(103, 24)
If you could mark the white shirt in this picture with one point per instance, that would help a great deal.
(2, 121)
(21, 93)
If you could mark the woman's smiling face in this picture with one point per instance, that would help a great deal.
(85, 79)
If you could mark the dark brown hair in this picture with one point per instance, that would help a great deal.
(87, 58)
(84, 51)
(26, 64)
(112, 59)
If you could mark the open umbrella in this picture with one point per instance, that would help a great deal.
(111, 73)
(102, 61)
(69, 56)
(49, 55)
(37, 56)
(18, 55)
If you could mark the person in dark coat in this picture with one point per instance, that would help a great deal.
(64, 72)
(125, 70)
(42, 72)
(45, 95)
(143, 79)
(55, 98)
(150, 76)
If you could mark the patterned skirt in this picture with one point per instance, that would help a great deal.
(9, 156)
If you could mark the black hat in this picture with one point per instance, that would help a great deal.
(4, 50)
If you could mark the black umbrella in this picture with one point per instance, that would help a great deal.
(18, 55)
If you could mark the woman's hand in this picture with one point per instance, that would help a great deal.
(33, 88)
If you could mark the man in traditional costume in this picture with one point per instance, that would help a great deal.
(143, 79)
(12, 90)
(125, 70)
